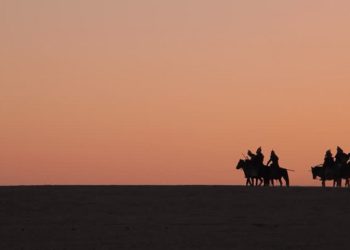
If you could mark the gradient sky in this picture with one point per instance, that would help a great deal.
(169, 92)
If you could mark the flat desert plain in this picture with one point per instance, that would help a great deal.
(174, 217)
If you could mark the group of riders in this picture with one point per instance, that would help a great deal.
(258, 158)
(333, 168)
(257, 173)
(339, 160)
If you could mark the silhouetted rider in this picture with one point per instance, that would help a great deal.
(273, 160)
(341, 158)
(256, 159)
(259, 157)
(328, 160)
(251, 155)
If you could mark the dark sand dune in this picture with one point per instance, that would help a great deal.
(171, 217)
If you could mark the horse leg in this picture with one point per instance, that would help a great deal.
(272, 183)
(286, 178)
(280, 181)
(266, 182)
(337, 182)
(247, 182)
(323, 183)
(260, 182)
(251, 182)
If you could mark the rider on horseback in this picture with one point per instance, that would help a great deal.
(275, 171)
(258, 158)
(257, 164)
(328, 160)
(273, 160)
(257, 173)
(341, 158)
(251, 155)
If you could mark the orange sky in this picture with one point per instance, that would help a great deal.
(169, 92)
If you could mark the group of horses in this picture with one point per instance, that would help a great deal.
(265, 176)
(262, 175)
(336, 173)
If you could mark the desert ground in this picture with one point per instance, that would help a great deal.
(174, 217)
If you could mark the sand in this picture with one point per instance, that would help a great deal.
(173, 217)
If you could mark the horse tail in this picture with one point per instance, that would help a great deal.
(286, 177)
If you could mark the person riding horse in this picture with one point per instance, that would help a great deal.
(256, 173)
(342, 170)
(257, 163)
(273, 163)
(333, 169)
(273, 160)
(328, 160)
(341, 158)
(251, 155)
(258, 158)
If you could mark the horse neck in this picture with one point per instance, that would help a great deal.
(246, 168)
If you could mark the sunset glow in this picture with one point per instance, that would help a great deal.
(169, 92)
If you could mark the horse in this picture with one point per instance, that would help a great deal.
(327, 173)
(345, 174)
(278, 174)
(251, 173)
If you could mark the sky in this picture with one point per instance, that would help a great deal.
(169, 92)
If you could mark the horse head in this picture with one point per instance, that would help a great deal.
(313, 171)
(240, 164)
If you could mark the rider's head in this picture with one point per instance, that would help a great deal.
(273, 152)
(339, 149)
(258, 151)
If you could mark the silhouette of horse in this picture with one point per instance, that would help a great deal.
(251, 173)
(262, 174)
(278, 174)
(328, 173)
(345, 174)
